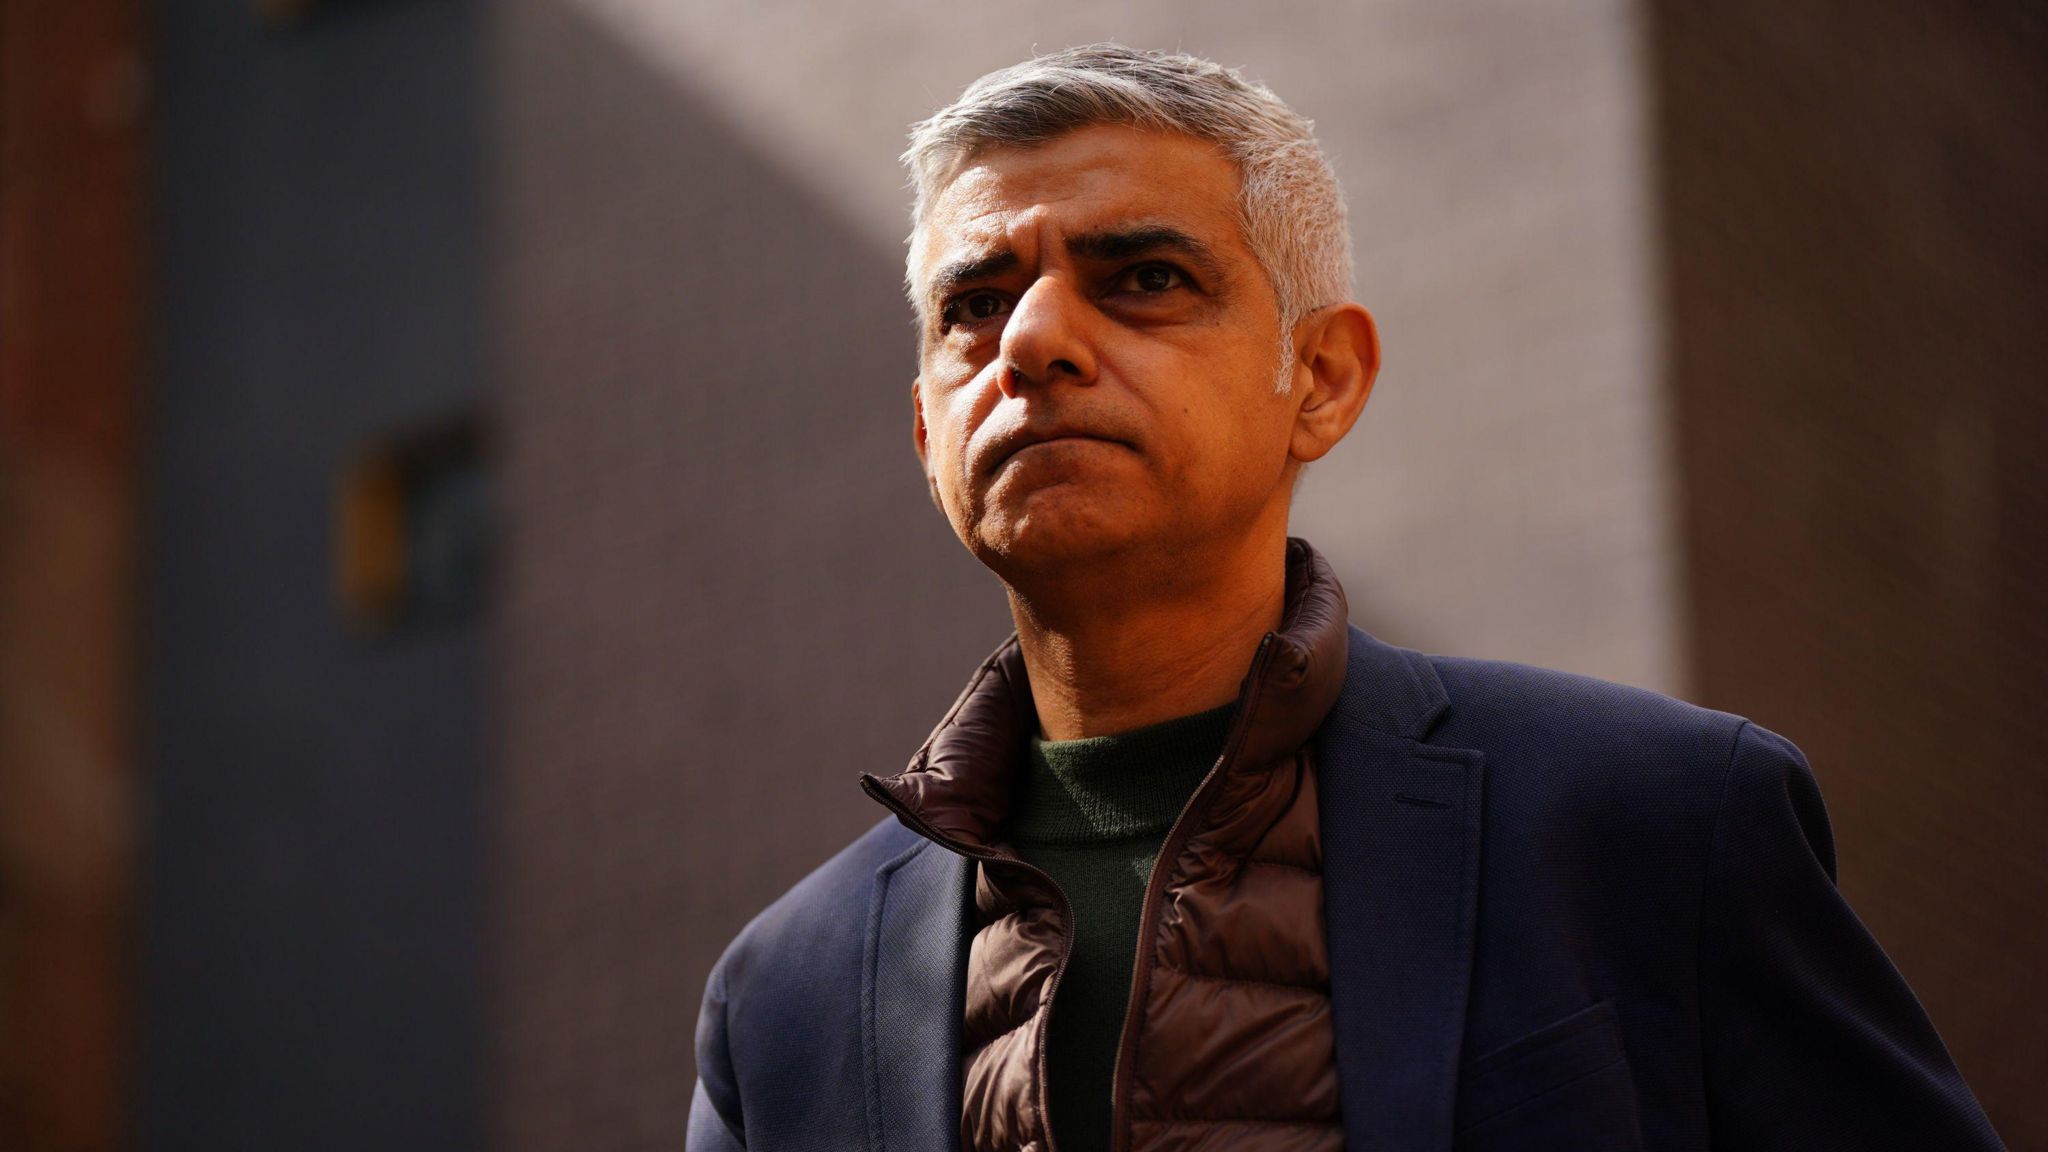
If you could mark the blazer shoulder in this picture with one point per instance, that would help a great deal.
(1532, 707)
(1618, 758)
(820, 915)
(783, 1000)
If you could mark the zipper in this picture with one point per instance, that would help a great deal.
(918, 824)
(1155, 887)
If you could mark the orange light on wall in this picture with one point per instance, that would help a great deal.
(410, 532)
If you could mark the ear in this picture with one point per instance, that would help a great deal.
(918, 439)
(1340, 347)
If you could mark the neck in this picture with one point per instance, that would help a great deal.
(1136, 648)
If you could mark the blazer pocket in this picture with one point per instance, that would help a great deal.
(1571, 1075)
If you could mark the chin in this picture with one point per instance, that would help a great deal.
(1055, 531)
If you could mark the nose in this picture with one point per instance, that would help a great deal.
(1046, 338)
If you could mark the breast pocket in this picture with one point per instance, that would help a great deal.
(1565, 1086)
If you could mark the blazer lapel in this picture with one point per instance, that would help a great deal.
(913, 991)
(1401, 835)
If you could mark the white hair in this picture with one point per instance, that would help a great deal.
(1290, 208)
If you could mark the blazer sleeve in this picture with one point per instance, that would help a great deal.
(708, 1131)
(1812, 1039)
(716, 1124)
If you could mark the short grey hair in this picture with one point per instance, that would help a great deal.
(1289, 205)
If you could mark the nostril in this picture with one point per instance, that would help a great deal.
(1066, 366)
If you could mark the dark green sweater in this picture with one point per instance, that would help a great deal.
(1093, 813)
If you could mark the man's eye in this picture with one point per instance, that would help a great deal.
(974, 307)
(1151, 278)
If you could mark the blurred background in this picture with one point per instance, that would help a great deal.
(459, 538)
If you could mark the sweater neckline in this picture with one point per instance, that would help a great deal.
(1100, 789)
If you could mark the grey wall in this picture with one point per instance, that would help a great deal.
(310, 953)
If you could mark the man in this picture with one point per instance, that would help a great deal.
(1194, 864)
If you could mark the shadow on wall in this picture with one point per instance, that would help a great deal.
(726, 590)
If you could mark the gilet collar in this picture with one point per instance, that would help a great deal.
(960, 783)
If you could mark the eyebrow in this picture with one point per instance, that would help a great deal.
(968, 271)
(1124, 243)
(1106, 245)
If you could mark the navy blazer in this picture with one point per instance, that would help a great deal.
(1562, 914)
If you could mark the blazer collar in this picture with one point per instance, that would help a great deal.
(1401, 828)
(913, 988)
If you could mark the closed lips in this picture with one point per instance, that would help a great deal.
(1018, 444)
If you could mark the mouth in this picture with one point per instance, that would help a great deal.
(1063, 438)
(1026, 443)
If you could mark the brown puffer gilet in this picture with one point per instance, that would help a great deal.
(1228, 1042)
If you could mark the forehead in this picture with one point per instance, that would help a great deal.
(1085, 180)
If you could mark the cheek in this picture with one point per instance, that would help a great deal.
(956, 426)
(949, 420)
(1220, 426)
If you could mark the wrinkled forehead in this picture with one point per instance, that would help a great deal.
(1089, 180)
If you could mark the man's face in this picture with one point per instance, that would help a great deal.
(1098, 354)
